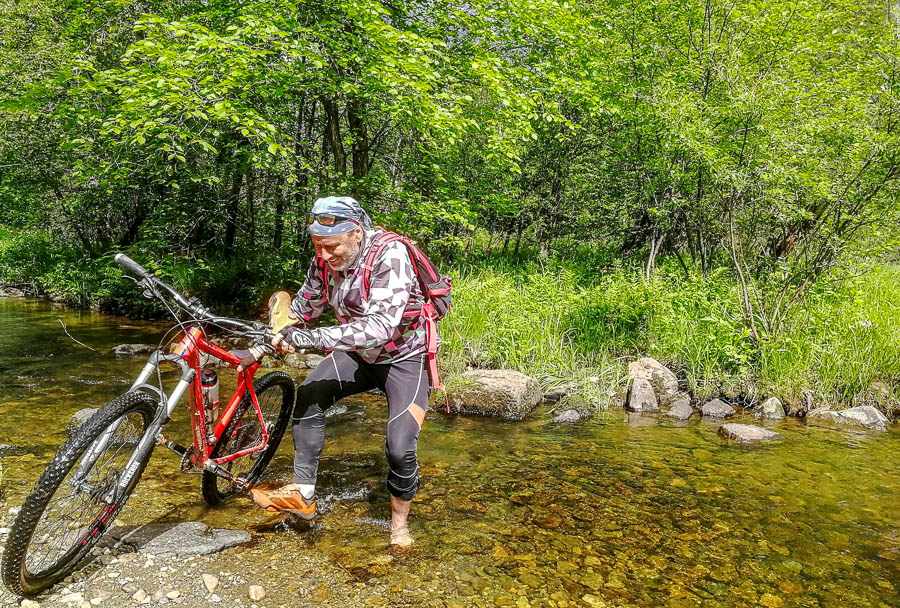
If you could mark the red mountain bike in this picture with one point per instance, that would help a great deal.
(89, 480)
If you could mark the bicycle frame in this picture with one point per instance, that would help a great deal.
(186, 356)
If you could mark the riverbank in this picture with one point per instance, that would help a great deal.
(572, 324)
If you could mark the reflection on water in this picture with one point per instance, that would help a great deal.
(606, 513)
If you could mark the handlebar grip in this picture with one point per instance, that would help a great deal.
(131, 266)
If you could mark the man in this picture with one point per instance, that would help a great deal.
(373, 346)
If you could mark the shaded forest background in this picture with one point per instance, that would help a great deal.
(714, 183)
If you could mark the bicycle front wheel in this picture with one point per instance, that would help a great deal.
(78, 495)
(275, 394)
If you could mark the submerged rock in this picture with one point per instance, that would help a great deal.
(771, 409)
(6, 449)
(177, 540)
(567, 417)
(295, 360)
(864, 416)
(313, 360)
(717, 409)
(681, 409)
(134, 349)
(664, 382)
(641, 397)
(79, 418)
(747, 433)
(496, 392)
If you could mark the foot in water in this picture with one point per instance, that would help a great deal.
(401, 537)
(287, 499)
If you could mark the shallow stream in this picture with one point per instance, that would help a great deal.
(611, 512)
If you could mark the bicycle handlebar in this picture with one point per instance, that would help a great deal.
(193, 307)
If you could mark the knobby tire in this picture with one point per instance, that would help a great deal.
(73, 534)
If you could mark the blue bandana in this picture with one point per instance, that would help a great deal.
(342, 206)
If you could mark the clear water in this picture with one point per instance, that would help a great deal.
(615, 511)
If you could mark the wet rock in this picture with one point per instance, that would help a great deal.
(664, 382)
(7, 449)
(174, 594)
(133, 349)
(496, 392)
(747, 433)
(313, 360)
(256, 593)
(79, 418)
(567, 417)
(271, 362)
(556, 393)
(641, 397)
(864, 416)
(177, 540)
(11, 292)
(681, 409)
(29, 604)
(771, 409)
(295, 360)
(717, 409)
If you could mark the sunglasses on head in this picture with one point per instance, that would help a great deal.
(328, 219)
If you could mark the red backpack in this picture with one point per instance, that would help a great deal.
(434, 286)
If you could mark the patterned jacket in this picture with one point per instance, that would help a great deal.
(376, 329)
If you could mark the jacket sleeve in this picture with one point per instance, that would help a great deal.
(309, 302)
(391, 283)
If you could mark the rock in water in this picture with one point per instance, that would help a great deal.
(556, 393)
(681, 409)
(663, 380)
(177, 540)
(79, 418)
(567, 417)
(641, 397)
(747, 433)
(864, 416)
(134, 349)
(496, 392)
(717, 409)
(771, 409)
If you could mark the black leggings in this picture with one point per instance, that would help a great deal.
(342, 374)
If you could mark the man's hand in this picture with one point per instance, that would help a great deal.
(291, 338)
(250, 356)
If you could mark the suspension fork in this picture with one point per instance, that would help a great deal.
(149, 437)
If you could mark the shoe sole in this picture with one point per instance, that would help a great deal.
(306, 516)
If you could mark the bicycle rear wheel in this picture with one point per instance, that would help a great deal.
(77, 496)
(275, 394)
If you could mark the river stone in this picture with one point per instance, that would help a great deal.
(864, 416)
(295, 360)
(496, 392)
(79, 418)
(771, 409)
(6, 449)
(664, 382)
(176, 540)
(133, 349)
(681, 409)
(717, 409)
(11, 292)
(556, 393)
(641, 397)
(313, 360)
(567, 417)
(747, 433)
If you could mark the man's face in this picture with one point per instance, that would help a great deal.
(338, 251)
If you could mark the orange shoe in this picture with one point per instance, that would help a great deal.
(287, 499)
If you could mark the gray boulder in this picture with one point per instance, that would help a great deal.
(664, 382)
(11, 292)
(496, 392)
(313, 360)
(717, 409)
(681, 409)
(133, 349)
(567, 417)
(864, 416)
(556, 393)
(771, 409)
(641, 397)
(79, 418)
(747, 433)
(295, 360)
(175, 539)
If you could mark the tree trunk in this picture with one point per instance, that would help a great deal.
(231, 212)
(279, 214)
(360, 140)
(333, 135)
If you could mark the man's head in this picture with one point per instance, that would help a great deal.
(340, 250)
(336, 225)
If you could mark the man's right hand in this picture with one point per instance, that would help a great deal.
(291, 338)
